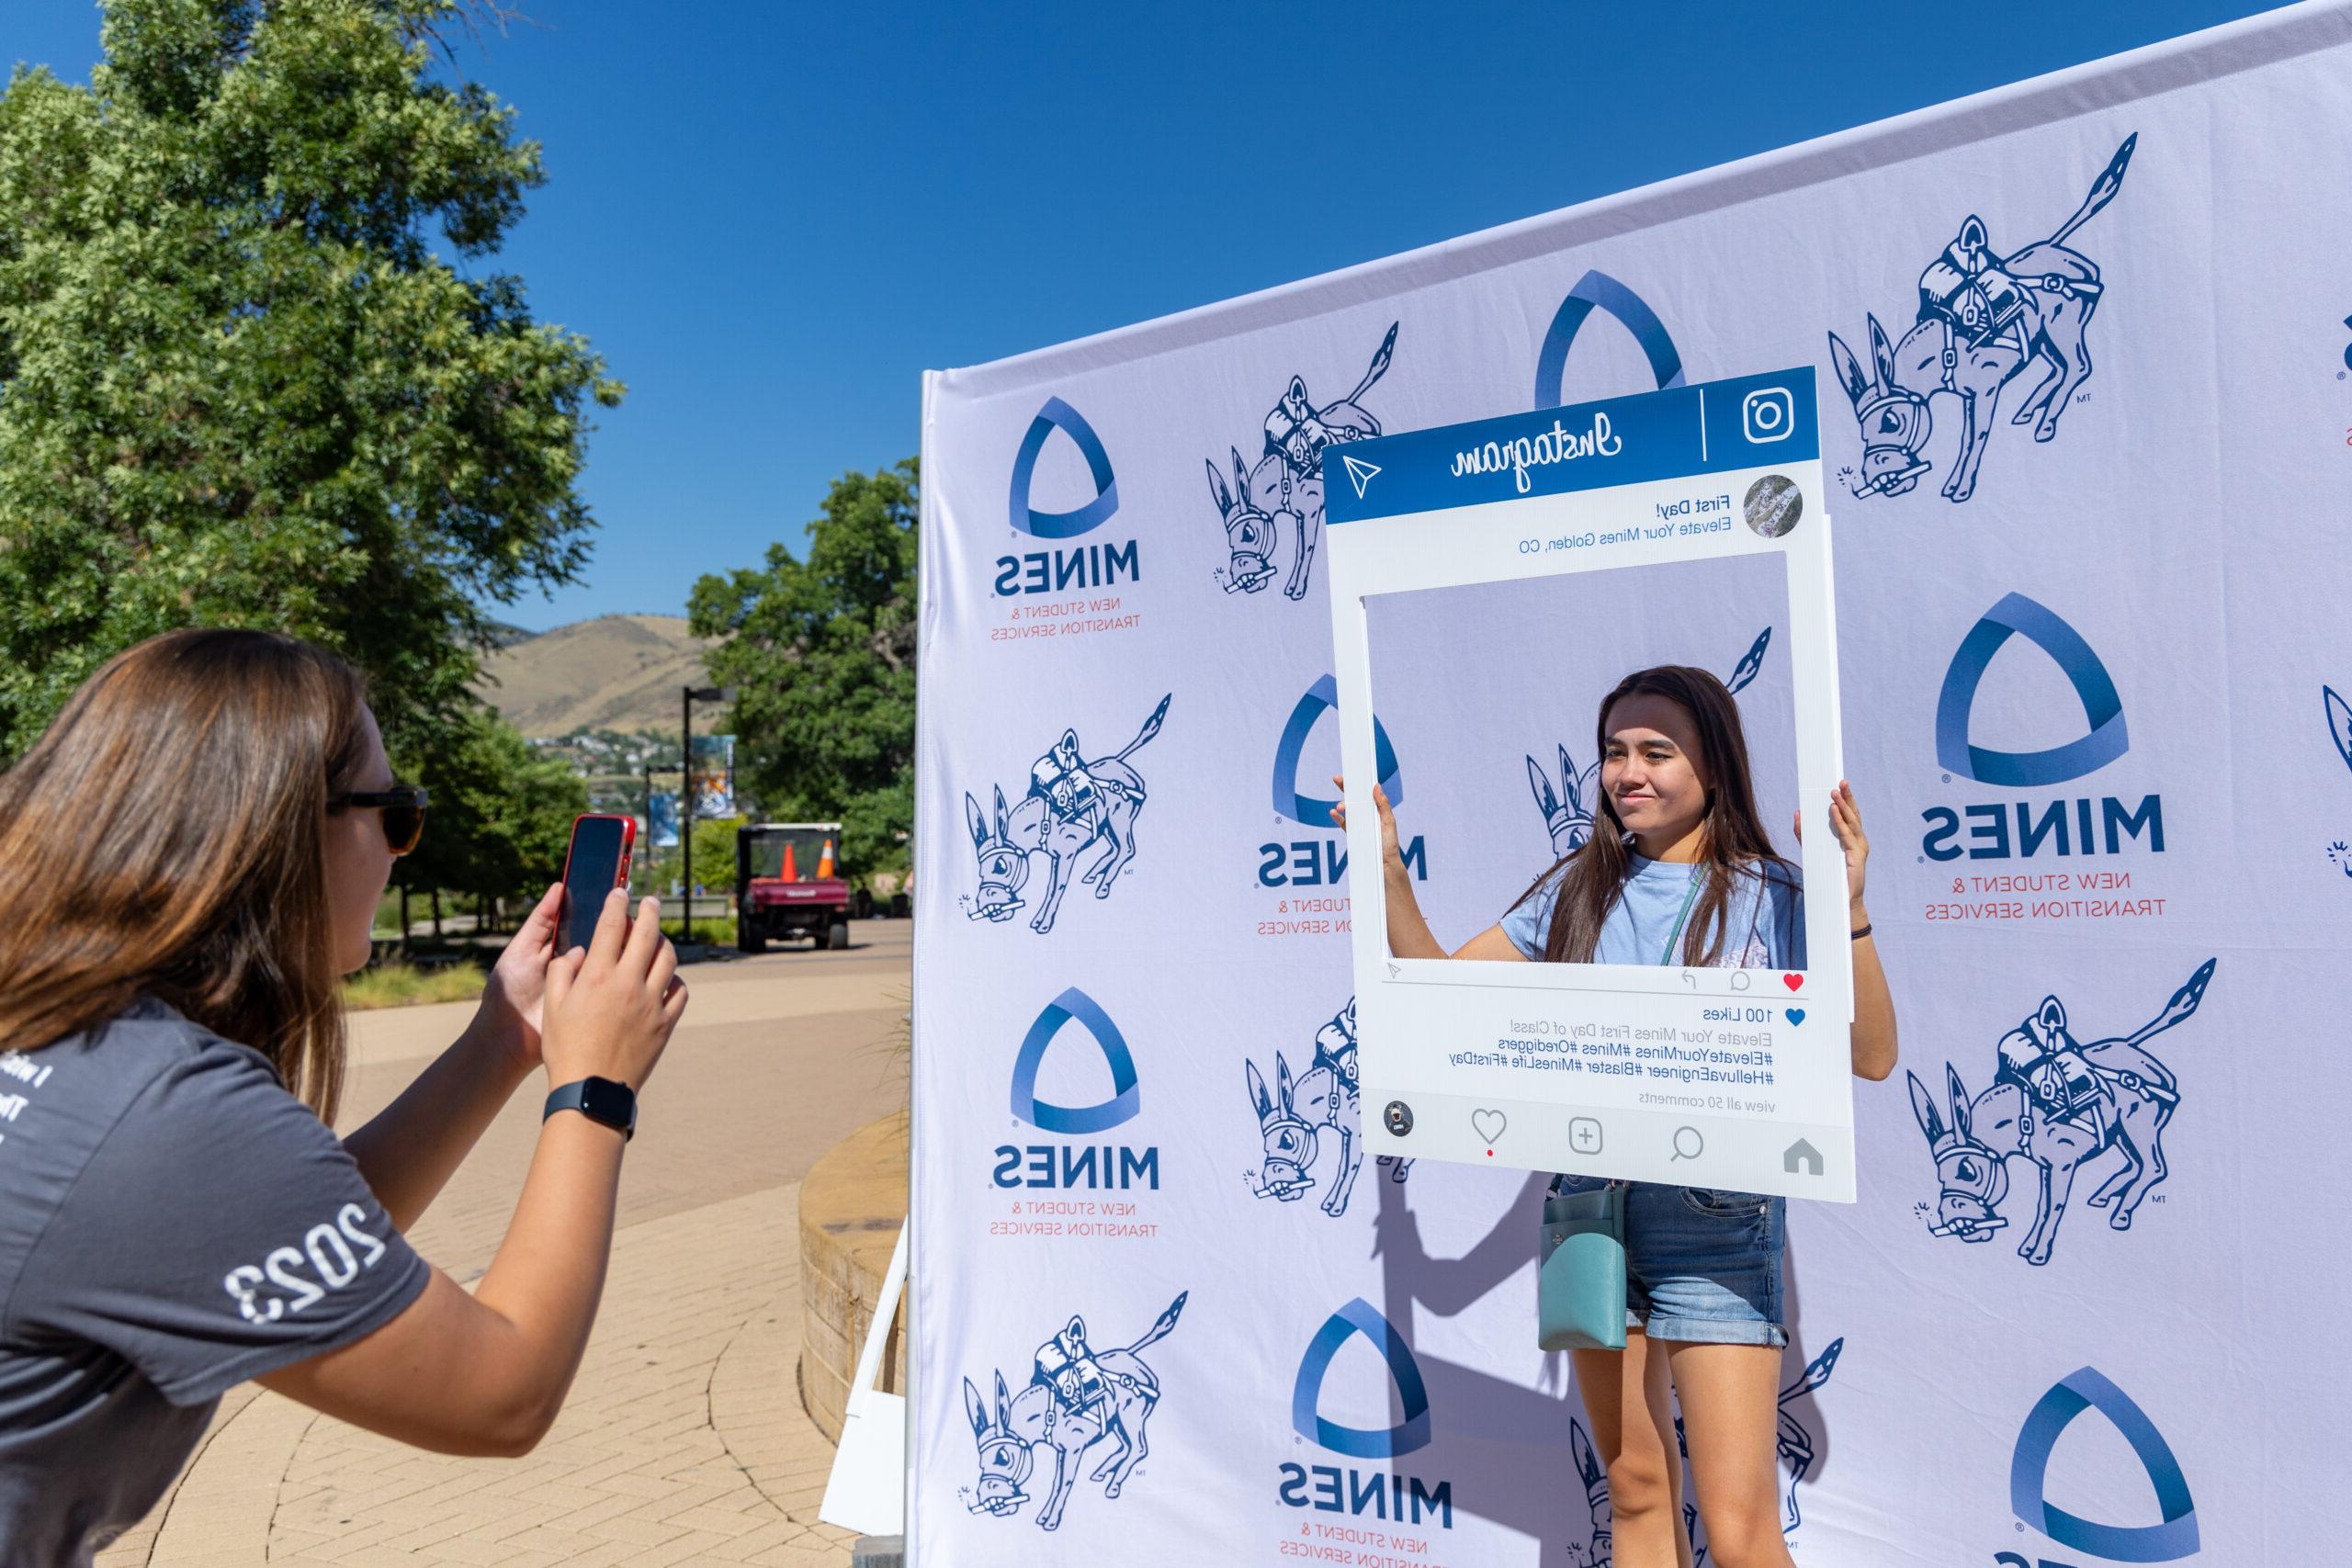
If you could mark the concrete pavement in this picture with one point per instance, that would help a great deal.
(683, 1441)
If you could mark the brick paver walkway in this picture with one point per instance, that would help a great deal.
(683, 1441)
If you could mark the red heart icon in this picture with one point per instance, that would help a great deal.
(1792, 981)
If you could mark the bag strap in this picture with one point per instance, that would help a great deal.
(1667, 955)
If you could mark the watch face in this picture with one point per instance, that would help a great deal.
(609, 1102)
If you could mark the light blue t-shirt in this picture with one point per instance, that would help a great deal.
(1763, 917)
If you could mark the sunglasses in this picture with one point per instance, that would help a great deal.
(403, 813)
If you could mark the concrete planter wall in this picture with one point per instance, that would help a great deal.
(851, 1206)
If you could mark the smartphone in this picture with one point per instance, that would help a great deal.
(598, 862)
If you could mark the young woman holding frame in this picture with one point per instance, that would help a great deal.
(1679, 869)
(193, 855)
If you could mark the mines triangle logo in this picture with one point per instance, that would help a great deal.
(1386, 1492)
(1598, 290)
(1067, 1164)
(2086, 1389)
(2014, 828)
(1323, 862)
(1074, 1006)
(2104, 741)
(1359, 1316)
(1025, 518)
(1073, 568)
(1314, 811)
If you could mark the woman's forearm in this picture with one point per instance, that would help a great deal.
(408, 1150)
(1873, 1038)
(1408, 930)
(549, 1272)
(487, 1373)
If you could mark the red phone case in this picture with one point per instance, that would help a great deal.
(629, 842)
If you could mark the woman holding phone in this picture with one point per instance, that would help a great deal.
(193, 855)
(1680, 870)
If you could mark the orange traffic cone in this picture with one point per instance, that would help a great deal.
(825, 862)
(791, 872)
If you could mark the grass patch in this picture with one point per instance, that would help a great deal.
(405, 984)
(388, 914)
(709, 929)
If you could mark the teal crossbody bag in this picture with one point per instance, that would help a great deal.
(1581, 1282)
(1580, 1290)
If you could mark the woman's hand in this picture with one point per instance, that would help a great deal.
(611, 1008)
(1392, 856)
(1846, 823)
(513, 1000)
(1873, 1038)
(408, 1150)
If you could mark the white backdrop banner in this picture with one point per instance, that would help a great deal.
(2082, 347)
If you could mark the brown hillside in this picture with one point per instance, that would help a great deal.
(614, 672)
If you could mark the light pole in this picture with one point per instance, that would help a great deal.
(686, 796)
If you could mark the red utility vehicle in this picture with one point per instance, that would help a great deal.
(788, 882)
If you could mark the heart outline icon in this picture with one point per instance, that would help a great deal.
(1481, 1117)
(1792, 981)
(1795, 1015)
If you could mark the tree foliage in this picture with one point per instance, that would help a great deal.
(500, 820)
(714, 857)
(822, 655)
(240, 384)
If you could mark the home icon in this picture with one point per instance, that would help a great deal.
(1801, 1154)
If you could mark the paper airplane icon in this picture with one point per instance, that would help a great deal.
(1359, 472)
(1393, 971)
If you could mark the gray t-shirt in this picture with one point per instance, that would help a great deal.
(172, 1223)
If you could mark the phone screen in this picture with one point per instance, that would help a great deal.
(594, 871)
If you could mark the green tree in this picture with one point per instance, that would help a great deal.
(240, 384)
(500, 820)
(714, 858)
(822, 655)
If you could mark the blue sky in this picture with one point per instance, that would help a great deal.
(772, 217)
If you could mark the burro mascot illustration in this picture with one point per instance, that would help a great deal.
(1294, 1114)
(1985, 320)
(2061, 1104)
(1076, 1399)
(1278, 504)
(1072, 806)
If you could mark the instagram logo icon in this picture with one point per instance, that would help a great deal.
(1767, 415)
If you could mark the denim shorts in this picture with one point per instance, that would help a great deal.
(1701, 1263)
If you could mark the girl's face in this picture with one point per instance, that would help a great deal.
(1649, 768)
(359, 860)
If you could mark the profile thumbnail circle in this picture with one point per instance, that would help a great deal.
(1773, 505)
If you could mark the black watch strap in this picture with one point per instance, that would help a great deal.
(599, 1100)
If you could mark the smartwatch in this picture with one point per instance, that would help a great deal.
(599, 1100)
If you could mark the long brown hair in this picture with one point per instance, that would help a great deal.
(165, 838)
(1591, 877)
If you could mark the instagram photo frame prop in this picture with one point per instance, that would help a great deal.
(1726, 1078)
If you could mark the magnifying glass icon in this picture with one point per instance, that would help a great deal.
(1688, 1144)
